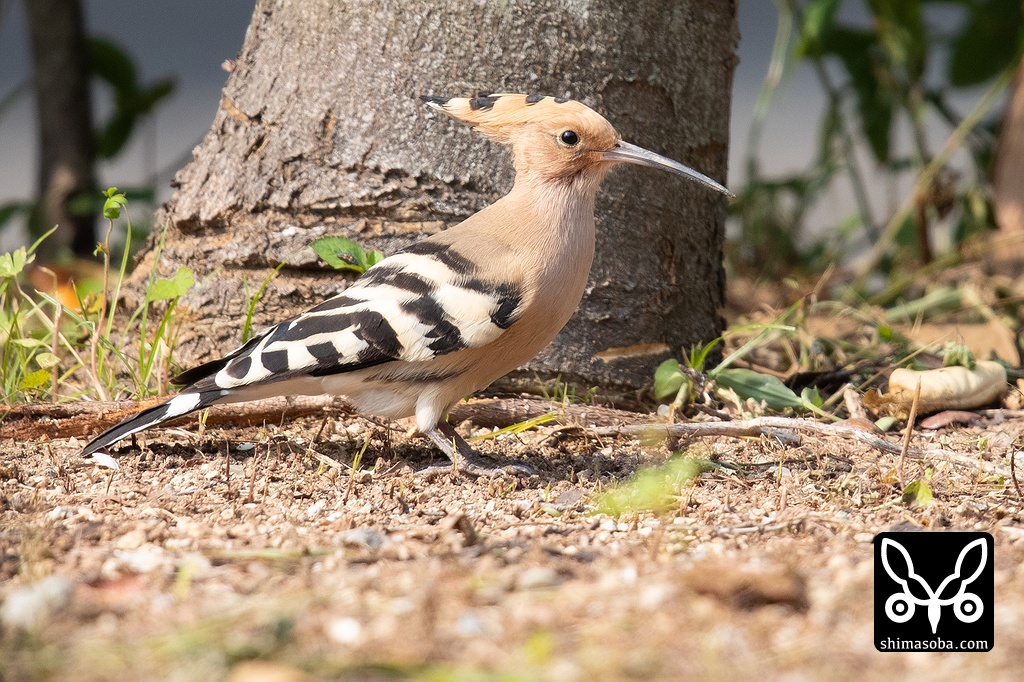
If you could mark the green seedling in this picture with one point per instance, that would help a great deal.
(342, 253)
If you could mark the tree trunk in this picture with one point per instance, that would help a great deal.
(320, 132)
(66, 151)
(1008, 183)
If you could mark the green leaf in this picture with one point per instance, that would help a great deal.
(958, 355)
(874, 102)
(28, 342)
(34, 380)
(11, 264)
(876, 115)
(13, 209)
(114, 203)
(667, 379)
(811, 396)
(942, 299)
(917, 494)
(149, 97)
(989, 43)
(761, 387)
(699, 355)
(977, 216)
(885, 423)
(828, 134)
(341, 253)
(756, 342)
(374, 257)
(818, 22)
(655, 489)
(168, 289)
(47, 360)
(112, 64)
(114, 134)
(901, 30)
(85, 204)
(109, 62)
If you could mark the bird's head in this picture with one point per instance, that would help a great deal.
(556, 138)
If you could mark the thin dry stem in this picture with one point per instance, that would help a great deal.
(910, 432)
(769, 426)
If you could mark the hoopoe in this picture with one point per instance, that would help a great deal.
(450, 314)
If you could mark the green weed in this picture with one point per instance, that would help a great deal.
(562, 392)
(654, 489)
(873, 77)
(52, 350)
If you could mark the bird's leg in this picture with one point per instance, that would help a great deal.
(464, 458)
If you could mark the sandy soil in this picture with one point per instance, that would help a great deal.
(256, 554)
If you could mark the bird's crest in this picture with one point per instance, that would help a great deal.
(499, 114)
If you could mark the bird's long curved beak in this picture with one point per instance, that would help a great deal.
(624, 152)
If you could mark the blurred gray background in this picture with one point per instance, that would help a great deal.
(190, 39)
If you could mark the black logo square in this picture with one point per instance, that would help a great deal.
(934, 591)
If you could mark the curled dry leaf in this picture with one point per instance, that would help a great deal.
(949, 417)
(946, 388)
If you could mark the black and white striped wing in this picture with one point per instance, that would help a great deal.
(419, 304)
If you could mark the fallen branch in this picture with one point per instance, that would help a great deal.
(64, 420)
(81, 419)
(769, 426)
(492, 413)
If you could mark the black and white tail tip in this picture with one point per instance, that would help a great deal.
(177, 406)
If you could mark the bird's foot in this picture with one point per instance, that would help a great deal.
(464, 459)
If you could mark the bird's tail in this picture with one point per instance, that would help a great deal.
(179, 405)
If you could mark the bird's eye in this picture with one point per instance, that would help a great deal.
(569, 138)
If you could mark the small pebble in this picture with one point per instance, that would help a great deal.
(132, 539)
(469, 624)
(537, 577)
(145, 559)
(30, 607)
(363, 537)
(345, 631)
(58, 513)
(569, 498)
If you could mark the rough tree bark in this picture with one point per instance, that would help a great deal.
(1008, 180)
(66, 151)
(320, 132)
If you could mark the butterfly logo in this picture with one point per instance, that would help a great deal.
(900, 607)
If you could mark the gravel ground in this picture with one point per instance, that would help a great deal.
(258, 554)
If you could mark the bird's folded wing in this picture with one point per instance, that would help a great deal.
(421, 303)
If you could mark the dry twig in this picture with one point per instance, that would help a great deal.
(910, 432)
(767, 426)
